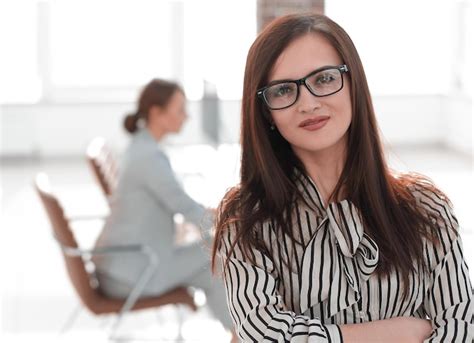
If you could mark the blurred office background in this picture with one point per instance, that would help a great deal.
(70, 70)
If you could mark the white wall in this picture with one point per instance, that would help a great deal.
(457, 124)
(64, 130)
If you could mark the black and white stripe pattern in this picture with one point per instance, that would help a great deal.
(303, 292)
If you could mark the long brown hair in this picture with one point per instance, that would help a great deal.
(157, 92)
(389, 210)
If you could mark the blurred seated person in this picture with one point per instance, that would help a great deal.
(147, 197)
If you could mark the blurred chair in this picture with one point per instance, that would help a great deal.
(79, 267)
(103, 164)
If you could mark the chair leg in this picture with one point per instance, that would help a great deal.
(181, 314)
(71, 319)
(115, 327)
(159, 316)
(105, 322)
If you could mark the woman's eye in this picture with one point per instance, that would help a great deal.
(326, 78)
(281, 90)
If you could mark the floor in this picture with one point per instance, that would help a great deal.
(36, 296)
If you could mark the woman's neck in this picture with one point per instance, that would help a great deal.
(324, 168)
(156, 132)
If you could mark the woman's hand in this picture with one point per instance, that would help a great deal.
(398, 329)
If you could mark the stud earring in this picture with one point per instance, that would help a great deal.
(272, 127)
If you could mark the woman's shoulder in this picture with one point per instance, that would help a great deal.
(142, 141)
(228, 210)
(143, 152)
(434, 204)
(427, 194)
(236, 206)
(229, 213)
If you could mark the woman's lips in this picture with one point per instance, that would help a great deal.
(314, 124)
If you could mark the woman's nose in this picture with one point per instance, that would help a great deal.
(307, 102)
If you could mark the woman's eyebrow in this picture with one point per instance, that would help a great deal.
(311, 72)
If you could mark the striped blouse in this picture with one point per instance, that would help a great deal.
(300, 293)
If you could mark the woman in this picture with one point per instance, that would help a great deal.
(320, 241)
(144, 203)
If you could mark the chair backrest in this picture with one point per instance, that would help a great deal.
(104, 165)
(75, 265)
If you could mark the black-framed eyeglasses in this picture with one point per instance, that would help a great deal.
(321, 82)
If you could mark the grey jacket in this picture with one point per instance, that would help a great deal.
(142, 209)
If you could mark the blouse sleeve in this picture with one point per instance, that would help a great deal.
(256, 308)
(160, 180)
(448, 298)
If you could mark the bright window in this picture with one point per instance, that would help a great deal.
(19, 75)
(110, 43)
(218, 35)
(105, 50)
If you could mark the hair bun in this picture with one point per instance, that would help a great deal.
(130, 122)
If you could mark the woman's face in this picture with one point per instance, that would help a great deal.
(312, 124)
(174, 114)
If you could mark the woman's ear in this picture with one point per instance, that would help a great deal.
(155, 111)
